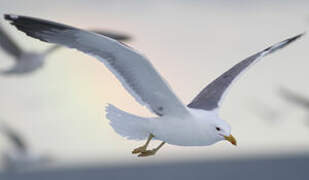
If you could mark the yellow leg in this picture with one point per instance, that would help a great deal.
(151, 152)
(144, 147)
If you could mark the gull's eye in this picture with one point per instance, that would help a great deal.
(218, 129)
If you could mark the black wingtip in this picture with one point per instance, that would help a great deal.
(282, 44)
(296, 37)
(7, 16)
(10, 17)
(32, 22)
(34, 27)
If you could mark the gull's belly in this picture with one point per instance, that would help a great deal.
(181, 132)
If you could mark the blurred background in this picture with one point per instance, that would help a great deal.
(59, 109)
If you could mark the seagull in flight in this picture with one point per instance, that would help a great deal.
(197, 124)
(27, 62)
(19, 157)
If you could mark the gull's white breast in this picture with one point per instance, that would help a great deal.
(191, 130)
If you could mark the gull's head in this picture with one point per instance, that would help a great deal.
(211, 127)
(214, 126)
(222, 131)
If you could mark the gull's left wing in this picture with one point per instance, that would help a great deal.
(211, 96)
(133, 70)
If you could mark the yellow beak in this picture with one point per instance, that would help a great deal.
(231, 139)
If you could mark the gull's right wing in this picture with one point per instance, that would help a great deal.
(9, 45)
(212, 95)
(134, 71)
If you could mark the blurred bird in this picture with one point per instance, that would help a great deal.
(297, 99)
(27, 62)
(267, 112)
(19, 157)
(197, 124)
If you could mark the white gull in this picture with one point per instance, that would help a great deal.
(197, 124)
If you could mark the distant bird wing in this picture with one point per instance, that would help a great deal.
(9, 45)
(212, 95)
(14, 137)
(113, 35)
(295, 97)
(134, 71)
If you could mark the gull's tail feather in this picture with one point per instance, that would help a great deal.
(127, 125)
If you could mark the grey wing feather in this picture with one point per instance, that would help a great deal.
(14, 137)
(116, 36)
(294, 97)
(9, 45)
(210, 97)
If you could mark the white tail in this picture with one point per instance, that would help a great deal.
(127, 125)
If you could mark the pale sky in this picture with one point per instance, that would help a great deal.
(60, 108)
